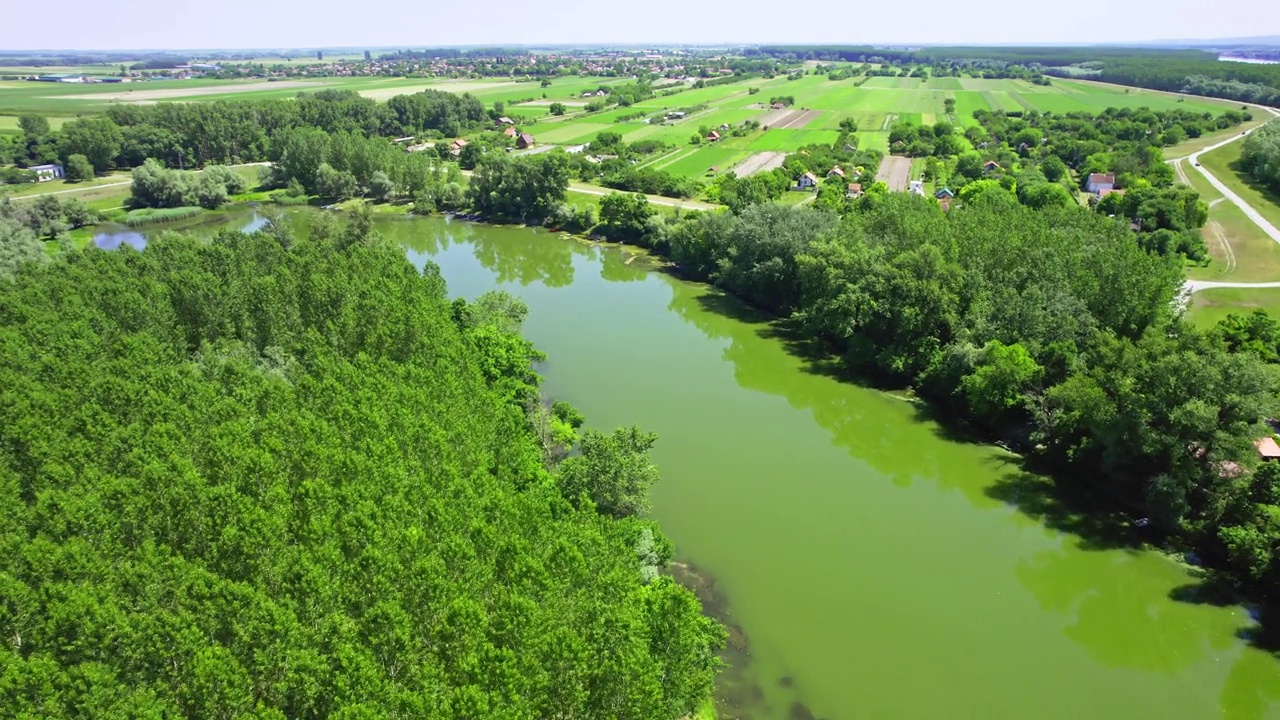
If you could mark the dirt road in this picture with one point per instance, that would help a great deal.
(895, 171)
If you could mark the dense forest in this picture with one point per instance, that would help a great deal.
(283, 477)
(1049, 327)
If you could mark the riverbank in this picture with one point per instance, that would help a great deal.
(847, 532)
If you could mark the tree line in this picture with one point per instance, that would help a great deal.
(1260, 156)
(193, 135)
(274, 476)
(1049, 327)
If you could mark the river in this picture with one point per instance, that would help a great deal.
(871, 565)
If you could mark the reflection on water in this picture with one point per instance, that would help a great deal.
(871, 566)
(110, 236)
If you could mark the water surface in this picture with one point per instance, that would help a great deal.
(871, 566)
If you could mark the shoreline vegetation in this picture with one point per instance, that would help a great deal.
(1023, 292)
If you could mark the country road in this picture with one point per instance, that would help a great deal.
(1194, 286)
(87, 188)
(1271, 230)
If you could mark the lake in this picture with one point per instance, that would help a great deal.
(869, 565)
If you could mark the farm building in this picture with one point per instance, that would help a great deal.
(675, 115)
(944, 193)
(509, 131)
(1268, 449)
(506, 121)
(713, 136)
(1099, 182)
(525, 140)
(45, 173)
(807, 181)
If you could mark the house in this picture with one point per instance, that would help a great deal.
(855, 190)
(777, 106)
(456, 146)
(525, 140)
(724, 126)
(991, 166)
(944, 193)
(1023, 148)
(509, 131)
(713, 136)
(1268, 449)
(45, 173)
(835, 172)
(506, 121)
(1100, 181)
(807, 181)
(917, 187)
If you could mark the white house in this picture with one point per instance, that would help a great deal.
(807, 181)
(45, 173)
(1100, 182)
(917, 187)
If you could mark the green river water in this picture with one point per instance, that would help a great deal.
(868, 565)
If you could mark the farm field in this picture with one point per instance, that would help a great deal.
(69, 99)
(818, 106)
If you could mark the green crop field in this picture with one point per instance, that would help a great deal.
(873, 103)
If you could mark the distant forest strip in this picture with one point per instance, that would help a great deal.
(1187, 71)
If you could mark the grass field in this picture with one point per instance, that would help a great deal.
(1210, 306)
(874, 105)
(1222, 163)
(9, 123)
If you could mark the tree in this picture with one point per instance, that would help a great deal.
(557, 108)
(210, 193)
(97, 138)
(33, 125)
(1003, 375)
(612, 470)
(79, 168)
(380, 187)
(77, 214)
(335, 184)
(624, 216)
(1053, 168)
(156, 186)
(18, 247)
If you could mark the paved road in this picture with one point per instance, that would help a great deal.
(1195, 286)
(1271, 230)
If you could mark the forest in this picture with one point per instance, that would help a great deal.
(277, 476)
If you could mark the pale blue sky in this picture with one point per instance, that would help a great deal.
(97, 25)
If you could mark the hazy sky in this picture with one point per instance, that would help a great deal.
(136, 24)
